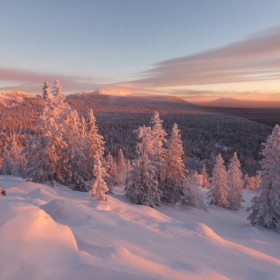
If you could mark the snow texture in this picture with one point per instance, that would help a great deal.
(56, 233)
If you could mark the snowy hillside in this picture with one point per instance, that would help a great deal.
(56, 233)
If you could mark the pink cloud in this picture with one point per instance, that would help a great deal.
(32, 81)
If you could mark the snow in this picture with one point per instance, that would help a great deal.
(56, 233)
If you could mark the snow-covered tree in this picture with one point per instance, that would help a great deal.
(94, 143)
(192, 194)
(142, 181)
(56, 88)
(18, 160)
(110, 168)
(265, 208)
(218, 192)
(46, 91)
(235, 183)
(99, 187)
(205, 181)
(73, 160)
(172, 186)
(121, 168)
(252, 183)
(41, 159)
(7, 164)
(158, 153)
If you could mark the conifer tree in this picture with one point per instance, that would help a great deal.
(205, 181)
(46, 91)
(94, 143)
(142, 181)
(158, 153)
(218, 192)
(73, 160)
(6, 163)
(235, 183)
(17, 159)
(56, 88)
(172, 186)
(121, 168)
(99, 187)
(265, 208)
(192, 194)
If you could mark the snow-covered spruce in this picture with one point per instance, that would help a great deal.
(46, 91)
(142, 181)
(265, 208)
(18, 160)
(205, 181)
(7, 165)
(218, 193)
(121, 169)
(235, 184)
(94, 143)
(174, 169)
(99, 187)
(192, 194)
(158, 153)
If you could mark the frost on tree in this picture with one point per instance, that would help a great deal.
(121, 169)
(99, 187)
(205, 181)
(46, 91)
(172, 186)
(218, 192)
(18, 160)
(94, 143)
(6, 163)
(40, 166)
(158, 153)
(192, 194)
(235, 184)
(142, 181)
(73, 160)
(265, 208)
(56, 88)
(111, 172)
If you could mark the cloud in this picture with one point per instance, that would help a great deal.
(255, 59)
(17, 79)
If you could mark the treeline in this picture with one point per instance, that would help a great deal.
(204, 134)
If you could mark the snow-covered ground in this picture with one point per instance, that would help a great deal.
(55, 233)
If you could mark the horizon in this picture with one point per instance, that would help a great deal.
(196, 51)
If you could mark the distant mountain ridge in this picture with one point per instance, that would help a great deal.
(238, 103)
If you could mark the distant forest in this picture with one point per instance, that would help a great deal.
(205, 134)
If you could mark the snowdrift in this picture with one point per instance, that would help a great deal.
(55, 233)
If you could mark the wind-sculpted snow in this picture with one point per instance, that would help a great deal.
(56, 233)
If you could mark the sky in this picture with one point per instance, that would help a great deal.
(200, 50)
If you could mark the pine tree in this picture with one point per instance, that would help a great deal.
(235, 184)
(205, 181)
(41, 158)
(142, 181)
(192, 194)
(218, 193)
(73, 160)
(18, 160)
(121, 168)
(94, 143)
(265, 208)
(158, 153)
(56, 88)
(6, 163)
(99, 187)
(46, 91)
(172, 186)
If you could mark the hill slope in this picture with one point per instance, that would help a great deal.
(238, 103)
(55, 233)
